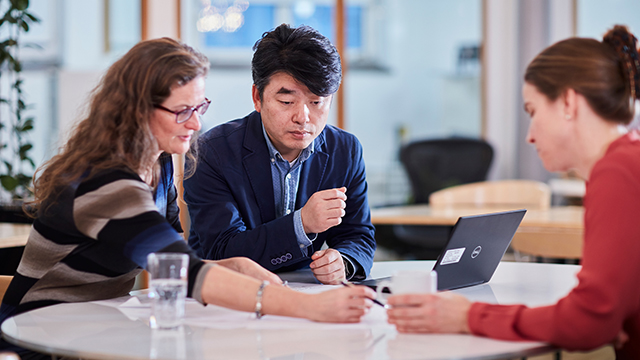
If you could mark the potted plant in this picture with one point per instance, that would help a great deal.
(16, 166)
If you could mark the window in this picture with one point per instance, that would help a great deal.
(226, 30)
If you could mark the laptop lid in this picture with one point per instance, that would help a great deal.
(475, 247)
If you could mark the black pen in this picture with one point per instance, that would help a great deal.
(375, 301)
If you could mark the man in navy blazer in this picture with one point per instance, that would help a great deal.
(277, 184)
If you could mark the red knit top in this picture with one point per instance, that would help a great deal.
(607, 297)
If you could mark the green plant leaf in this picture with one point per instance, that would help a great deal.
(8, 182)
(21, 5)
(33, 18)
(9, 42)
(9, 167)
(23, 151)
(28, 122)
(25, 26)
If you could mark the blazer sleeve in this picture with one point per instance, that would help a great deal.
(354, 237)
(226, 220)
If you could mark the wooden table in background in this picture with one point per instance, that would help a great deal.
(13, 235)
(556, 232)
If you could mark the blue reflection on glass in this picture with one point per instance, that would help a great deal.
(257, 20)
(323, 19)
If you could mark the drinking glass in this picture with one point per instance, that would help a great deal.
(168, 285)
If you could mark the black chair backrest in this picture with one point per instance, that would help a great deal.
(439, 163)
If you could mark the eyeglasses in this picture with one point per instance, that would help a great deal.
(184, 115)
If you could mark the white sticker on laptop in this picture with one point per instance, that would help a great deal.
(452, 256)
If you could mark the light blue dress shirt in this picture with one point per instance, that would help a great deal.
(286, 177)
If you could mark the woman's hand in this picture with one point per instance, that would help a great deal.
(429, 313)
(248, 267)
(345, 305)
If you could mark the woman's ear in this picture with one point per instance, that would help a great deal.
(570, 104)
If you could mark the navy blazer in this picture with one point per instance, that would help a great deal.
(232, 207)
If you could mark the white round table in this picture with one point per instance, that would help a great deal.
(101, 330)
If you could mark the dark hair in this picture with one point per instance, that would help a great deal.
(302, 52)
(116, 133)
(605, 73)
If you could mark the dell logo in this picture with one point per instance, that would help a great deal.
(476, 252)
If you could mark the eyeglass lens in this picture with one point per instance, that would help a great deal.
(185, 114)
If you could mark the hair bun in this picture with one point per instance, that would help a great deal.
(625, 44)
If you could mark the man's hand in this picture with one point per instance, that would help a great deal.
(324, 210)
(248, 267)
(328, 266)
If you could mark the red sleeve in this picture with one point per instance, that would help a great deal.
(607, 294)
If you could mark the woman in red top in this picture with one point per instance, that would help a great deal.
(579, 93)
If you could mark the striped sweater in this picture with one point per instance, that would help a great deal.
(92, 242)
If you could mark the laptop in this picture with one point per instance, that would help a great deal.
(474, 249)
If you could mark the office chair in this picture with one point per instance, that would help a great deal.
(432, 165)
(440, 163)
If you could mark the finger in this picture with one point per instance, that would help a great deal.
(415, 324)
(403, 313)
(335, 204)
(328, 268)
(332, 194)
(334, 214)
(360, 303)
(333, 278)
(318, 254)
(364, 292)
(410, 299)
(324, 257)
(273, 278)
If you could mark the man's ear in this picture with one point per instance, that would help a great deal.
(570, 104)
(255, 96)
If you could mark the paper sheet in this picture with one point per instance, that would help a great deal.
(216, 317)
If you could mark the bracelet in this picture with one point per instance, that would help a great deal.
(258, 309)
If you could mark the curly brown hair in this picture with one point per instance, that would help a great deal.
(116, 133)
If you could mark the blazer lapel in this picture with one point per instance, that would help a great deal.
(312, 172)
(257, 165)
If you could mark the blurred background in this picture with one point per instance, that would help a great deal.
(416, 69)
